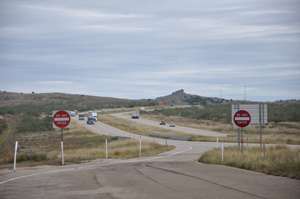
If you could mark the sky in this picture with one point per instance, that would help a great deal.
(148, 48)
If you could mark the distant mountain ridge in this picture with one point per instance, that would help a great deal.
(52, 101)
(180, 97)
(11, 102)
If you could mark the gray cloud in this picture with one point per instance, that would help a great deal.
(148, 48)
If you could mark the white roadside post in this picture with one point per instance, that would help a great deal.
(217, 142)
(62, 152)
(15, 155)
(106, 151)
(140, 148)
(222, 151)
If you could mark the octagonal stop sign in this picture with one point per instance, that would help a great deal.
(242, 118)
(61, 119)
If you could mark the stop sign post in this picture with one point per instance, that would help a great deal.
(242, 119)
(61, 119)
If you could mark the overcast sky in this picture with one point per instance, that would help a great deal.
(144, 49)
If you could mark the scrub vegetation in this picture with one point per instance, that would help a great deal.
(274, 132)
(79, 145)
(143, 129)
(278, 160)
(286, 111)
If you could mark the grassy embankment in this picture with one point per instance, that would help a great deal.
(142, 129)
(79, 144)
(274, 132)
(287, 133)
(279, 160)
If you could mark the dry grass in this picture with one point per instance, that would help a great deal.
(278, 160)
(275, 133)
(142, 129)
(79, 144)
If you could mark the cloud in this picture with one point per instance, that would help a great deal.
(140, 50)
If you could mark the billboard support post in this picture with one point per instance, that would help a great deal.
(260, 126)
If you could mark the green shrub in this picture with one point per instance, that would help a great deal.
(3, 125)
(31, 156)
(33, 123)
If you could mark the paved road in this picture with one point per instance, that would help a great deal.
(173, 175)
(183, 129)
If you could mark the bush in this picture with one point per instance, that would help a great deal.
(33, 123)
(31, 156)
(220, 112)
(3, 125)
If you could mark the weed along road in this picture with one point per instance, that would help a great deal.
(174, 174)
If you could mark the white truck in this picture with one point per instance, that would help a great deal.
(94, 115)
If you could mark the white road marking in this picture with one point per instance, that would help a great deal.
(93, 166)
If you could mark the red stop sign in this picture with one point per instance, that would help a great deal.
(242, 118)
(61, 119)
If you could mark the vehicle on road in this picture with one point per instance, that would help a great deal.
(81, 116)
(90, 122)
(162, 123)
(72, 113)
(92, 119)
(93, 115)
(135, 115)
(172, 125)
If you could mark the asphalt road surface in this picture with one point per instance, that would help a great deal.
(193, 131)
(174, 174)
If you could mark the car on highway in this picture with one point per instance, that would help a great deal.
(81, 116)
(92, 118)
(162, 123)
(90, 122)
(135, 115)
(172, 125)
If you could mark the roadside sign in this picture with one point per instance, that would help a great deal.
(61, 119)
(242, 118)
(258, 112)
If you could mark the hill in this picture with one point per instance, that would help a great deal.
(179, 97)
(11, 102)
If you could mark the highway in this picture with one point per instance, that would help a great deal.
(192, 131)
(170, 175)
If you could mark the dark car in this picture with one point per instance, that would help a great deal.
(90, 122)
(81, 117)
(172, 125)
(162, 123)
(92, 118)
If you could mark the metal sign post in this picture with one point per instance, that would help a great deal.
(61, 119)
(249, 114)
(62, 147)
(260, 126)
(242, 119)
(242, 140)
